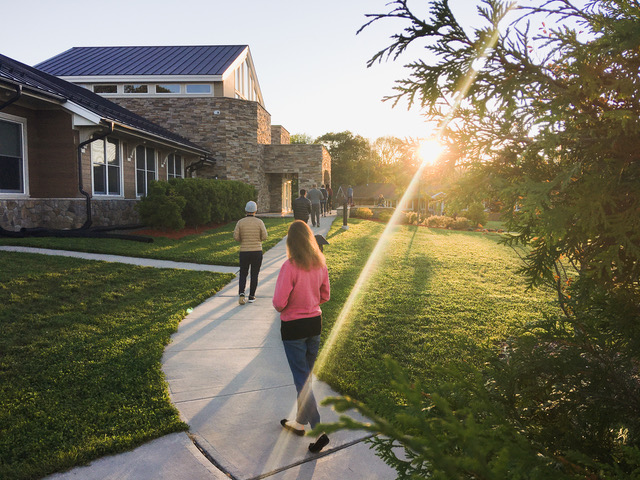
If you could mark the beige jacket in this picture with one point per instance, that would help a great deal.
(250, 232)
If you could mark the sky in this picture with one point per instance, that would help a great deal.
(310, 63)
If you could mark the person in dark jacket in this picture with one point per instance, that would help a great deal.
(302, 207)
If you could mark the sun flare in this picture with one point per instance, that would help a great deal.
(429, 151)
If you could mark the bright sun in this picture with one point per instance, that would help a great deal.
(429, 151)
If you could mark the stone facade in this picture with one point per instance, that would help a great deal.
(62, 213)
(244, 144)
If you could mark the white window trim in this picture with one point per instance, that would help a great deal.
(25, 161)
(106, 195)
(155, 165)
(181, 166)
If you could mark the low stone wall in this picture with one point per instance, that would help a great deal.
(66, 213)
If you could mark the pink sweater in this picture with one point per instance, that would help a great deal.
(299, 293)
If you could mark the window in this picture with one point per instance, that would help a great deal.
(105, 89)
(195, 88)
(12, 155)
(174, 166)
(136, 88)
(168, 88)
(145, 169)
(105, 158)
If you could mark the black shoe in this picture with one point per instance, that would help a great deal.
(283, 422)
(319, 444)
(252, 299)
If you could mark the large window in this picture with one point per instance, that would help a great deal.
(198, 88)
(105, 158)
(168, 88)
(12, 156)
(175, 166)
(136, 88)
(145, 169)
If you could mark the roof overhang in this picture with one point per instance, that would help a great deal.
(142, 78)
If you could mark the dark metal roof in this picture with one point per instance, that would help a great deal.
(36, 81)
(168, 60)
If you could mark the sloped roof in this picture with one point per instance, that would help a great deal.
(159, 60)
(36, 81)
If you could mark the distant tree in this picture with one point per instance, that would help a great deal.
(303, 138)
(350, 157)
(548, 124)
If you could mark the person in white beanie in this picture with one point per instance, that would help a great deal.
(250, 232)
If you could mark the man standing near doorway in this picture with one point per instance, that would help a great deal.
(315, 196)
(302, 207)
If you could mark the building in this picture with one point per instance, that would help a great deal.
(210, 95)
(70, 158)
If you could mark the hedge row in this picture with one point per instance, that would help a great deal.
(194, 202)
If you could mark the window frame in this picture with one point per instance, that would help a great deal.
(24, 160)
(145, 169)
(107, 166)
(171, 157)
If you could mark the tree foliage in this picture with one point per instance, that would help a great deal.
(545, 117)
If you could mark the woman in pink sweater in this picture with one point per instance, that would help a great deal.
(302, 285)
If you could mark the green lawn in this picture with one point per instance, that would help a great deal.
(438, 297)
(81, 344)
(80, 357)
(214, 247)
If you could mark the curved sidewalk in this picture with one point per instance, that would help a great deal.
(229, 379)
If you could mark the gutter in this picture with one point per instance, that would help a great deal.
(14, 99)
(93, 138)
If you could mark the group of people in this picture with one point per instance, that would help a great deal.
(302, 286)
(314, 204)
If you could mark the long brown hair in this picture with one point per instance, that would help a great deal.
(302, 247)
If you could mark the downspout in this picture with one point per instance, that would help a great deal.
(88, 222)
(14, 99)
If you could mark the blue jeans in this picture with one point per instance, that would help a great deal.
(301, 355)
(253, 260)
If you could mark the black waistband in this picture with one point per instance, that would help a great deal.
(301, 328)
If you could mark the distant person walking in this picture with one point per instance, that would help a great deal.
(315, 196)
(302, 286)
(350, 196)
(302, 207)
(323, 202)
(329, 198)
(250, 232)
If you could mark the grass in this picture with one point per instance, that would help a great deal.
(438, 298)
(80, 357)
(81, 344)
(213, 247)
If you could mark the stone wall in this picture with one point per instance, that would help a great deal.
(66, 213)
(308, 161)
(234, 130)
(280, 135)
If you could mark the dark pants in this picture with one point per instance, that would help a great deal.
(253, 260)
(315, 214)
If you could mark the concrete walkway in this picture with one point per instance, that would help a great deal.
(229, 379)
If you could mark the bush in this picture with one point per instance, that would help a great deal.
(409, 218)
(162, 207)
(476, 214)
(460, 223)
(439, 221)
(361, 212)
(194, 202)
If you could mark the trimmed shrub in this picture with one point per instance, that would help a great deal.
(361, 212)
(162, 207)
(460, 223)
(439, 221)
(200, 201)
(476, 214)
